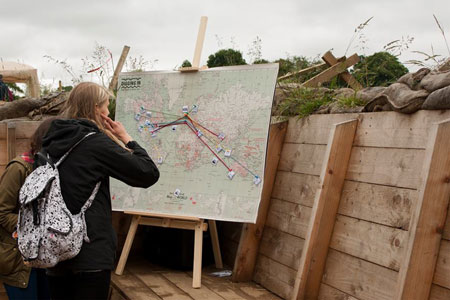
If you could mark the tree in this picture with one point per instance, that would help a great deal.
(186, 63)
(225, 57)
(378, 69)
(261, 61)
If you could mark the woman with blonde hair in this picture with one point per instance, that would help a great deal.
(109, 152)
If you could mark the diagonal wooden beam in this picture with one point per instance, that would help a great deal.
(320, 229)
(428, 220)
(329, 58)
(334, 70)
(302, 71)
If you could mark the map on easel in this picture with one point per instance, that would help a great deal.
(207, 132)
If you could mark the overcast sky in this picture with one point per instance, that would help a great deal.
(166, 30)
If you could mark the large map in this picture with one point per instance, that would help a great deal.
(207, 131)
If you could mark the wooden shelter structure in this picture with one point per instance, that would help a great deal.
(20, 73)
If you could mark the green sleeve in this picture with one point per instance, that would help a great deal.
(10, 184)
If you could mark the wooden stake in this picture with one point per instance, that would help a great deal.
(200, 40)
(198, 246)
(329, 58)
(251, 235)
(215, 243)
(128, 242)
(120, 63)
(314, 253)
(428, 220)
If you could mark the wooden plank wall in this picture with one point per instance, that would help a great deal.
(371, 229)
(24, 130)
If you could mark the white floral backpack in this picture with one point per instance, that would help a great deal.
(47, 232)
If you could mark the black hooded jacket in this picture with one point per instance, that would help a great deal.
(95, 159)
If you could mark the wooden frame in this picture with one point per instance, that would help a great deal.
(324, 211)
(120, 63)
(198, 47)
(428, 220)
(172, 221)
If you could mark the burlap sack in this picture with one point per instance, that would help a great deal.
(435, 80)
(439, 99)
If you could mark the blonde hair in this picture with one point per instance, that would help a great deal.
(82, 102)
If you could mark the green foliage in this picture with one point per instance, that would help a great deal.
(112, 108)
(186, 63)
(292, 64)
(67, 88)
(351, 101)
(304, 101)
(15, 89)
(378, 69)
(260, 61)
(225, 57)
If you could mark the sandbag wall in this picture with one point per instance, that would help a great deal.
(372, 227)
(15, 139)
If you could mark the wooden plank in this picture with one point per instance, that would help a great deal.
(199, 43)
(165, 216)
(379, 129)
(184, 282)
(417, 269)
(24, 129)
(302, 158)
(302, 71)
(215, 243)
(118, 69)
(330, 293)
(281, 247)
(439, 293)
(393, 167)
(132, 287)
(359, 278)
(198, 247)
(329, 58)
(128, 242)
(320, 229)
(255, 291)
(296, 187)
(446, 233)
(21, 146)
(11, 141)
(251, 233)
(442, 273)
(329, 73)
(161, 286)
(170, 223)
(289, 217)
(276, 277)
(385, 205)
(372, 242)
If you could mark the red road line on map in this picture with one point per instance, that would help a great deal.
(202, 126)
(229, 169)
(166, 125)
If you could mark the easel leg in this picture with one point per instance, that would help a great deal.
(198, 245)
(128, 242)
(215, 243)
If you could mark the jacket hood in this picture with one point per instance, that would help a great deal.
(63, 134)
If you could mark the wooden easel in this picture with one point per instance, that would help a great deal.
(180, 222)
(173, 221)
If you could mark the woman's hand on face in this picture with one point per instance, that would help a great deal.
(117, 129)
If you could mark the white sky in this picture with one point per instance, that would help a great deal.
(167, 30)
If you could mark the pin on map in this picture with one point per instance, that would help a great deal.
(215, 160)
(143, 109)
(140, 128)
(219, 148)
(221, 136)
(256, 180)
(185, 109)
(160, 160)
(148, 123)
(231, 174)
(195, 108)
(227, 153)
(199, 133)
(177, 192)
(148, 114)
(137, 117)
(174, 127)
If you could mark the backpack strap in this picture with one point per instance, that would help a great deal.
(67, 153)
(86, 205)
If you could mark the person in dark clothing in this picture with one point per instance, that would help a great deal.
(110, 152)
(5, 93)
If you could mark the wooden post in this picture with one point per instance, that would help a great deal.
(331, 72)
(329, 58)
(120, 63)
(60, 86)
(11, 140)
(198, 247)
(128, 242)
(320, 229)
(247, 252)
(428, 220)
(215, 244)
(200, 40)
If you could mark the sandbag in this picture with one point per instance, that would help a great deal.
(435, 80)
(413, 79)
(439, 99)
(400, 98)
(369, 93)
